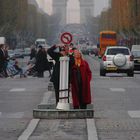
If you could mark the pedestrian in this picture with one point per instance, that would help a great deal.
(6, 48)
(33, 52)
(80, 81)
(3, 60)
(55, 53)
(41, 61)
(47, 66)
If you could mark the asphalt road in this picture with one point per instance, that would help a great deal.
(18, 97)
(116, 103)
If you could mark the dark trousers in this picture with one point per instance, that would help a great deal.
(56, 88)
(80, 98)
(40, 74)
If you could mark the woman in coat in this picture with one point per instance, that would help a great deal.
(80, 82)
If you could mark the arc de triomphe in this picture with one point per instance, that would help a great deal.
(86, 9)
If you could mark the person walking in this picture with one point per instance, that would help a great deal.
(55, 53)
(33, 52)
(80, 81)
(41, 59)
(3, 60)
(6, 55)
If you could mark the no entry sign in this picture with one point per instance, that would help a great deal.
(66, 38)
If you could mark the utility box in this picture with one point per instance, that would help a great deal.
(2, 40)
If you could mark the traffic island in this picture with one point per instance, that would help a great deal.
(49, 111)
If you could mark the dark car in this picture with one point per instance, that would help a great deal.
(19, 53)
(27, 52)
(136, 55)
(92, 51)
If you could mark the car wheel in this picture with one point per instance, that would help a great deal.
(102, 72)
(130, 73)
(119, 60)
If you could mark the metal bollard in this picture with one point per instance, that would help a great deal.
(63, 103)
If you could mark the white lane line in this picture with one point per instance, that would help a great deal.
(0, 114)
(16, 115)
(91, 130)
(34, 122)
(29, 130)
(134, 114)
(17, 89)
(117, 89)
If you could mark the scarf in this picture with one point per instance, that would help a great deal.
(78, 62)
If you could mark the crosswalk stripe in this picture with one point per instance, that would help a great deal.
(13, 115)
(17, 89)
(117, 89)
(134, 114)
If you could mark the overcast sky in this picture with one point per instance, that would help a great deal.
(99, 6)
(73, 14)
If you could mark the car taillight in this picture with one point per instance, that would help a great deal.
(131, 58)
(104, 58)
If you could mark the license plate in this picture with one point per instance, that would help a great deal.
(111, 68)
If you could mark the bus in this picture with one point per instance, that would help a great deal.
(106, 38)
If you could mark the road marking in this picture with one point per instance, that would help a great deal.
(17, 89)
(34, 122)
(134, 114)
(117, 89)
(29, 130)
(91, 130)
(16, 115)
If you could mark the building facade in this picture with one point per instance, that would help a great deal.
(86, 10)
(123, 16)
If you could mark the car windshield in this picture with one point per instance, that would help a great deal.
(10, 51)
(114, 51)
(41, 42)
(136, 53)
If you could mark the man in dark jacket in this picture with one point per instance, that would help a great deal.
(41, 62)
(2, 59)
(63, 51)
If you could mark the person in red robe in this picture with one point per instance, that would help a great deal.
(80, 81)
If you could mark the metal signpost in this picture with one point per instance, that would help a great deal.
(63, 84)
(63, 103)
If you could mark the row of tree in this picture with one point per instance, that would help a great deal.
(21, 22)
(122, 16)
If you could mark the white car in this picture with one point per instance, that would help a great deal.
(117, 59)
(136, 54)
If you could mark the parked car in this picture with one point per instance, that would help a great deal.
(11, 54)
(135, 50)
(92, 51)
(117, 59)
(19, 53)
(27, 52)
(136, 55)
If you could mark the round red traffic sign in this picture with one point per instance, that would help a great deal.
(66, 38)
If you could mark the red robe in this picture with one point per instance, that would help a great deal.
(86, 76)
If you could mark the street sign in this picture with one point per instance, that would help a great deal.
(66, 38)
